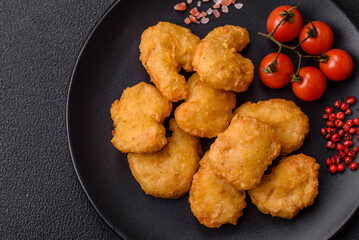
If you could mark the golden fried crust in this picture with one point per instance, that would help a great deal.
(207, 111)
(243, 152)
(217, 62)
(288, 121)
(214, 201)
(291, 186)
(137, 119)
(165, 48)
(168, 173)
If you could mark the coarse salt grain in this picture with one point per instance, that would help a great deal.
(204, 20)
(209, 11)
(238, 5)
(204, 14)
(205, 0)
(187, 21)
(180, 7)
(198, 3)
(226, 2)
(216, 13)
(224, 9)
(189, 1)
(194, 11)
(217, 1)
(216, 6)
(199, 16)
(193, 18)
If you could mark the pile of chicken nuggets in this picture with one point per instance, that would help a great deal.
(247, 140)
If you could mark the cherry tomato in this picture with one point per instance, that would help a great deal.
(281, 76)
(312, 86)
(321, 43)
(287, 31)
(339, 65)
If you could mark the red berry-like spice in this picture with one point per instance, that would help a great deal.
(341, 155)
(346, 128)
(352, 166)
(335, 160)
(339, 115)
(323, 131)
(346, 150)
(340, 167)
(348, 144)
(351, 154)
(339, 123)
(335, 137)
(337, 104)
(347, 137)
(341, 132)
(330, 145)
(340, 147)
(328, 110)
(350, 123)
(332, 117)
(347, 160)
(350, 100)
(328, 162)
(352, 131)
(348, 112)
(344, 106)
(333, 169)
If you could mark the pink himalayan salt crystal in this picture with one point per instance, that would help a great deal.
(238, 5)
(204, 20)
(224, 9)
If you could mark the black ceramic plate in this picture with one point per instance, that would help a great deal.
(109, 62)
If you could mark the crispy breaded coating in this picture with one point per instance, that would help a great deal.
(165, 49)
(288, 121)
(168, 173)
(207, 111)
(291, 186)
(218, 62)
(213, 200)
(243, 152)
(137, 119)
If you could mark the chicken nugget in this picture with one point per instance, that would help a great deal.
(169, 172)
(288, 121)
(213, 200)
(217, 62)
(243, 152)
(207, 111)
(137, 119)
(291, 186)
(165, 49)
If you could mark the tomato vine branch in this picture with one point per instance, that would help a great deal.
(312, 32)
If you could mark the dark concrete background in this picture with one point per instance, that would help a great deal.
(40, 196)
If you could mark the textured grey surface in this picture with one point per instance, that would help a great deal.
(40, 196)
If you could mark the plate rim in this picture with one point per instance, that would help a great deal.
(79, 57)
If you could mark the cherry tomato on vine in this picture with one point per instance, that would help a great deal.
(312, 86)
(289, 30)
(283, 69)
(339, 65)
(322, 41)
